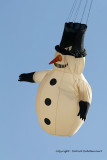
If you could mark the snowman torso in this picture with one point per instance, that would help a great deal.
(57, 103)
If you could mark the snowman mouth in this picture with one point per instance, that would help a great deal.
(61, 65)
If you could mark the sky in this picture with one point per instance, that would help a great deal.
(29, 31)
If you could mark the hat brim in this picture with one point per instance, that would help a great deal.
(72, 52)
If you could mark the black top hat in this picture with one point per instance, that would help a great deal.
(73, 35)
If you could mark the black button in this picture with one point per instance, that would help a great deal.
(47, 121)
(47, 101)
(53, 81)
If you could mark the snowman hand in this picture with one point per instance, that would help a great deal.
(84, 107)
(27, 77)
(81, 116)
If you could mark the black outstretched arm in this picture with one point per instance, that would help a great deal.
(27, 77)
(84, 107)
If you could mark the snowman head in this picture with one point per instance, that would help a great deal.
(68, 63)
(71, 48)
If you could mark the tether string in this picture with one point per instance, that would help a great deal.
(89, 11)
(77, 11)
(84, 10)
(72, 10)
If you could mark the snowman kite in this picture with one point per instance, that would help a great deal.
(64, 95)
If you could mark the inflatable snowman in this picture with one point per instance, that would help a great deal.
(64, 95)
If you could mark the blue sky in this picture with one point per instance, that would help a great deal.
(29, 30)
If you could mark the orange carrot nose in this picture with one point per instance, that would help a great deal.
(56, 59)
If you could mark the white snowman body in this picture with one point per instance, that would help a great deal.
(58, 96)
